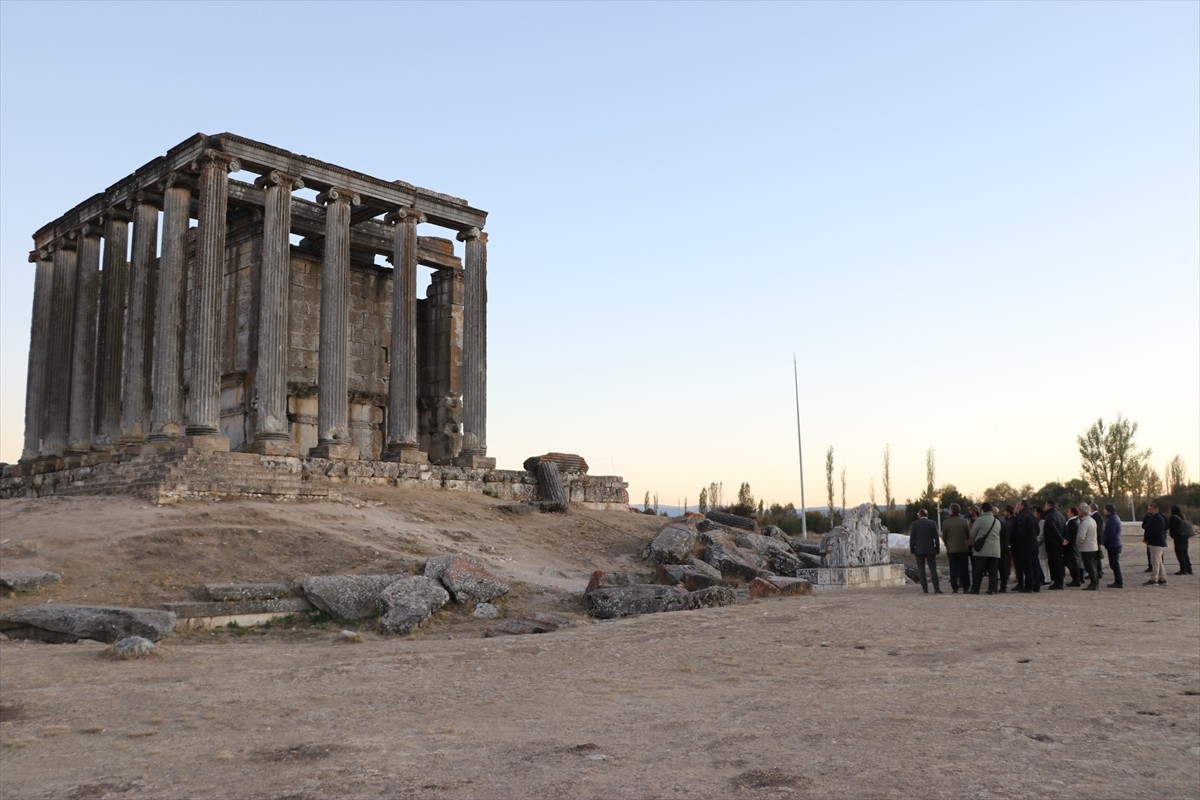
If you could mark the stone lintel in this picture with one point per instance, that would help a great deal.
(335, 451)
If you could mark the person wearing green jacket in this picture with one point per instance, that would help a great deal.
(986, 556)
(956, 533)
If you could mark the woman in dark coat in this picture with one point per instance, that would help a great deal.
(1180, 533)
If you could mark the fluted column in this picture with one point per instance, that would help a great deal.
(62, 312)
(271, 433)
(83, 349)
(474, 363)
(401, 443)
(39, 343)
(204, 388)
(333, 381)
(114, 281)
(170, 310)
(139, 319)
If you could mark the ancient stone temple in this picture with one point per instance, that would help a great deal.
(230, 295)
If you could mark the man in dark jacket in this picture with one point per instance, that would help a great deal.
(957, 533)
(924, 544)
(1181, 530)
(1025, 549)
(1006, 559)
(1071, 559)
(1111, 539)
(1054, 535)
(1154, 534)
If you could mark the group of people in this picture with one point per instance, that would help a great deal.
(1041, 547)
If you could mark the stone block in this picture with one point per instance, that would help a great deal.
(335, 451)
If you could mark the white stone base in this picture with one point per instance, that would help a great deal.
(876, 576)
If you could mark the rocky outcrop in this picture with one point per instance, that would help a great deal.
(61, 623)
(410, 602)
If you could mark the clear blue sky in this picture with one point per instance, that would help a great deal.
(977, 225)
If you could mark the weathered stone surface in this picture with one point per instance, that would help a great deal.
(694, 581)
(551, 492)
(733, 520)
(601, 579)
(348, 597)
(54, 622)
(860, 541)
(410, 602)
(133, 647)
(775, 532)
(705, 567)
(764, 587)
(251, 591)
(540, 622)
(229, 608)
(567, 462)
(486, 611)
(470, 583)
(627, 601)
(28, 579)
(673, 544)
(734, 562)
(710, 597)
(670, 574)
(517, 508)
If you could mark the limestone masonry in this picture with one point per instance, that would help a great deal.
(261, 324)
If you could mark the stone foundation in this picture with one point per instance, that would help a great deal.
(168, 476)
(876, 576)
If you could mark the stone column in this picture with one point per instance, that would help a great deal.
(114, 281)
(39, 343)
(58, 382)
(204, 329)
(83, 349)
(333, 383)
(271, 433)
(170, 310)
(474, 366)
(139, 320)
(401, 443)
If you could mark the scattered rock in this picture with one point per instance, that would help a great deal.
(771, 585)
(538, 623)
(28, 579)
(54, 622)
(733, 520)
(470, 583)
(410, 602)
(734, 562)
(673, 544)
(628, 601)
(486, 611)
(348, 637)
(132, 647)
(225, 592)
(347, 597)
(517, 508)
(601, 580)
(567, 462)
(711, 597)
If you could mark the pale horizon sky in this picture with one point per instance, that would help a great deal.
(976, 225)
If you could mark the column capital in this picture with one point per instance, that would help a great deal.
(279, 178)
(404, 214)
(215, 159)
(469, 234)
(143, 197)
(333, 194)
(177, 178)
(120, 213)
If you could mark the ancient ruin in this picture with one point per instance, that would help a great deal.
(233, 297)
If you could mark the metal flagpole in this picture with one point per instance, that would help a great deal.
(800, 451)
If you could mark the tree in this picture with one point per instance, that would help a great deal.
(888, 501)
(929, 471)
(656, 502)
(1001, 494)
(745, 496)
(704, 501)
(1176, 474)
(843, 490)
(829, 478)
(646, 502)
(715, 490)
(1109, 460)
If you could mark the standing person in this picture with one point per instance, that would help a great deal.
(1043, 567)
(1181, 530)
(956, 532)
(1087, 543)
(1054, 534)
(1071, 559)
(1154, 534)
(923, 543)
(1006, 559)
(986, 556)
(1025, 549)
(1099, 520)
(1112, 543)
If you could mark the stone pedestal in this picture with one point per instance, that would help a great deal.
(335, 451)
(475, 462)
(207, 443)
(404, 453)
(274, 447)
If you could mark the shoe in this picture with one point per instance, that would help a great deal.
(991, 592)
(1056, 587)
(1075, 583)
(1162, 583)
(1149, 569)
(938, 591)
(1150, 582)
(1181, 572)
(1116, 586)
(1091, 588)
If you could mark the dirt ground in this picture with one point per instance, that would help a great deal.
(854, 694)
